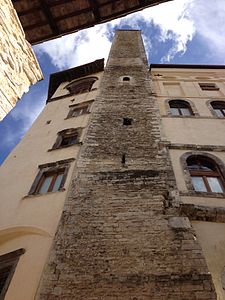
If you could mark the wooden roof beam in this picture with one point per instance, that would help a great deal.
(46, 10)
(94, 6)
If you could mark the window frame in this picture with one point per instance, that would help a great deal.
(127, 121)
(52, 182)
(186, 105)
(11, 260)
(50, 168)
(205, 175)
(215, 102)
(219, 165)
(208, 86)
(64, 134)
(79, 106)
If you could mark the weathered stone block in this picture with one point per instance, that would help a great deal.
(179, 223)
(18, 65)
(115, 220)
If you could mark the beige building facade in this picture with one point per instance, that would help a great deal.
(29, 219)
(200, 133)
(118, 187)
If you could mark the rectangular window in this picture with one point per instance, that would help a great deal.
(67, 137)
(79, 109)
(50, 182)
(208, 86)
(51, 177)
(69, 140)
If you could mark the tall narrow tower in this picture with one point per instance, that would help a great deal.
(120, 234)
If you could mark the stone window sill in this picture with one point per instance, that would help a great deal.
(202, 194)
(67, 146)
(87, 113)
(41, 195)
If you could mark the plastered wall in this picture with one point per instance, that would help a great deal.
(201, 133)
(30, 221)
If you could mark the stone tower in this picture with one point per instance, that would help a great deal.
(121, 235)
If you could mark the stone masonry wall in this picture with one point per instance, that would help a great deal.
(18, 65)
(120, 235)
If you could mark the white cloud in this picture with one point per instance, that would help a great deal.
(173, 21)
(178, 21)
(93, 43)
(208, 19)
(77, 48)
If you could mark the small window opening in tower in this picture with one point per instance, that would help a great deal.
(123, 161)
(127, 121)
(126, 78)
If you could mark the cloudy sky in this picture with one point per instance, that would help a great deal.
(180, 31)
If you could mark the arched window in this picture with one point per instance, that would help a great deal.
(205, 174)
(219, 108)
(180, 108)
(81, 86)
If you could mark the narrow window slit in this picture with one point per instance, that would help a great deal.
(123, 158)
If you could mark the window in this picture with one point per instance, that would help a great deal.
(208, 86)
(219, 108)
(78, 110)
(8, 264)
(180, 108)
(81, 86)
(126, 78)
(50, 182)
(205, 174)
(67, 137)
(51, 177)
(69, 140)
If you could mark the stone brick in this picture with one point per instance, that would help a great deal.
(114, 240)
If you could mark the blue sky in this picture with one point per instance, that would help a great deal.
(180, 31)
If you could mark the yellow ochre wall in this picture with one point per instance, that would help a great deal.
(195, 133)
